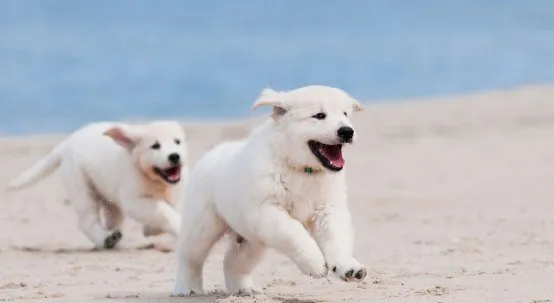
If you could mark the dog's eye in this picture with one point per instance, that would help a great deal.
(177, 141)
(345, 114)
(320, 116)
(155, 146)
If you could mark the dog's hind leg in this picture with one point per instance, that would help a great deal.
(202, 227)
(241, 258)
(113, 216)
(89, 223)
(84, 198)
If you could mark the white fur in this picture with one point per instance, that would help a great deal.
(257, 188)
(108, 168)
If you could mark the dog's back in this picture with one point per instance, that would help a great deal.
(81, 146)
(213, 162)
(90, 147)
(106, 164)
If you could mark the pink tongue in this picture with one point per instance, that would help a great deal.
(173, 177)
(338, 162)
(174, 174)
(334, 155)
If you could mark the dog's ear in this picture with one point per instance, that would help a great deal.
(358, 107)
(269, 97)
(122, 136)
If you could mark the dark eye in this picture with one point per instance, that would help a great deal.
(177, 141)
(155, 146)
(345, 114)
(320, 116)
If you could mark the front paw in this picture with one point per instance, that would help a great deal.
(314, 265)
(349, 270)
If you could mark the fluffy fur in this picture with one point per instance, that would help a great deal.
(283, 187)
(111, 169)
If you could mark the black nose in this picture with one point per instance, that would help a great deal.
(174, 158)
(345, 133)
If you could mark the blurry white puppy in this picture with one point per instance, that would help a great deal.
(283, 187)
(116, 169)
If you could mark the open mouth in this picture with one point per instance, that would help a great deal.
(330, 156)
(170, 175)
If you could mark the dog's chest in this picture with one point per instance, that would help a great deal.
(302, 195)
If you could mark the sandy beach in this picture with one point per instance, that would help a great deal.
(452, 200)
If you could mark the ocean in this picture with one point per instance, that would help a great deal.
(64, 63)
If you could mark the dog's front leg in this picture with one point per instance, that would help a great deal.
(334, 233)
(274, 226)
(156, 214)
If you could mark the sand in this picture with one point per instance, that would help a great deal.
(452, 200)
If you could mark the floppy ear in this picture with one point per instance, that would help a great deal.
(269, 97)
(358, 107)
(122, 136)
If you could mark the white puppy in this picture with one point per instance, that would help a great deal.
(116, 169)
(283, 187)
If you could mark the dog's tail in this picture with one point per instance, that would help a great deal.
(41, 169)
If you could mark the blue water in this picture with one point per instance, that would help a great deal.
(67, 62)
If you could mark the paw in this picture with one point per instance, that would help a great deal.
(314, 266)
(112, 240)
(350, 271)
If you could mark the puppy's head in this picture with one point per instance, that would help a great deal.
(158, 148)
(313, 123)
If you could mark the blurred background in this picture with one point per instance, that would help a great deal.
(67, 62)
